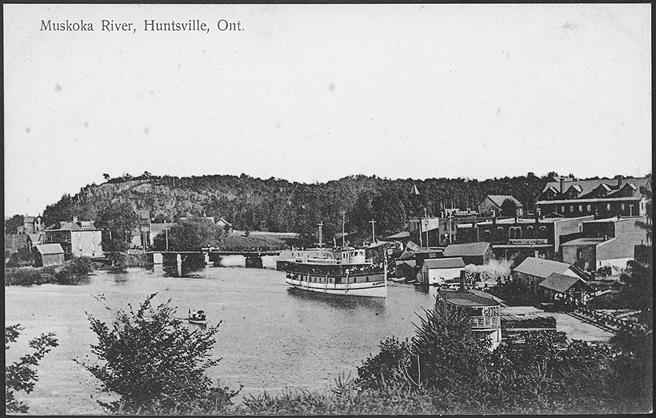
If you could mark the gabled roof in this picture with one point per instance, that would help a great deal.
(443, 263)
(561, 283)
(467, 250)
(540, 267)
(72, 226)
(468, 298)
(35, 237)
(588, 186)
(49, 249)
(499, 199)
(576, 187)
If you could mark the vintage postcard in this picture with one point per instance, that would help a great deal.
(285, 209)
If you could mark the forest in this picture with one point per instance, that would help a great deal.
(279, 205)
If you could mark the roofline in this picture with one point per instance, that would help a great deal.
(590, 200)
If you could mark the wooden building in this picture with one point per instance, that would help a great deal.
(477, 253)
(483, 309)
(49, 255)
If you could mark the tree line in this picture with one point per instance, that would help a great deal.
(279, 205)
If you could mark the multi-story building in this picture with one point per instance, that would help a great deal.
(77, 238)
(442, 230)
(602, 198)
(518, 238)
(481, 307)
(605, 242)
(31, 225)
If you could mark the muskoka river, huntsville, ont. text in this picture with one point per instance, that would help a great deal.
(149, 25)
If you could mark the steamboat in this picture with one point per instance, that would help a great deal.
(337, 271)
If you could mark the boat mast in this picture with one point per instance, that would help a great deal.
(343, 225)
(426, 216)
(320, 243)
(373, 231)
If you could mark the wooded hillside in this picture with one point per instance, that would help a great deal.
(279, 205)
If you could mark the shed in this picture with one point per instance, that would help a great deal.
(50, 255)
(438, 270)
(560, 286)
(406, 269)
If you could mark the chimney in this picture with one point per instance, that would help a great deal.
(561, 185)
(494, 217)
(537, 216)
(462, 280)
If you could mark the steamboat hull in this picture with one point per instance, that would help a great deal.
(373, 287)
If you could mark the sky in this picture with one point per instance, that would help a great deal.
(312, 93)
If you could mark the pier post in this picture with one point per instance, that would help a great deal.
(158, 258)
(178, 258)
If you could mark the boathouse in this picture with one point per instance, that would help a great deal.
(438, 270)
(481, 307)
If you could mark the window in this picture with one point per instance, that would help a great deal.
(623, 206)
(562, 208)
(580, 208)
(589, 207)
(607, 206)
(530, 233)
(571, 208)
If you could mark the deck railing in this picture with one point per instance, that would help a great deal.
(483, 322)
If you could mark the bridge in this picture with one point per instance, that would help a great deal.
(218, 251)
(182, 255)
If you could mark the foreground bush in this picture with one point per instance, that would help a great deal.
(444, 369)
(539, 372)
(155, 363)
(19, 376)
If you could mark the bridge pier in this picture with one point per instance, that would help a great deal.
(158, 258)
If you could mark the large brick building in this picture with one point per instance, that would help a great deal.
(602, 198)
(518, 238)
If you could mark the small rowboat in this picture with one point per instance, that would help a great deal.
(197, 317)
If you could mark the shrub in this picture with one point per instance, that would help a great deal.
(27, 276)
(155, 363)
(19, 376)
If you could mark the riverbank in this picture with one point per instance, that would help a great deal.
(73, 272)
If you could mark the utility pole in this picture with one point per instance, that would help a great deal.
(373, 231)
(166, 235)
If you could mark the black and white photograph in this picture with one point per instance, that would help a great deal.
(328, 209)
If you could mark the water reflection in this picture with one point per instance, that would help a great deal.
(338, 301)
(189, 269)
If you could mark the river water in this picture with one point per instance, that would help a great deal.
(272, 337)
